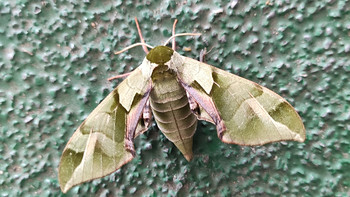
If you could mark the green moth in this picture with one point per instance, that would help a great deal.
(178, 91)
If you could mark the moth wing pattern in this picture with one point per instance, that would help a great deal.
(251, 113)
(97, 147)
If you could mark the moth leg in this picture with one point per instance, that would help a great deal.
(207, 103)
(202, 54)
(146, 114)
(197, 110)
(193, 105)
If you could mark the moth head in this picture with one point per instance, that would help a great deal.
(160, 55)
(163, 55)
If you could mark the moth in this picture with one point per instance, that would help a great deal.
(178, 91)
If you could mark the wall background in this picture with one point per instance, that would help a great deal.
(56, 56)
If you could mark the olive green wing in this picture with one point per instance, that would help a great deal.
(97, 148)
(244, 112)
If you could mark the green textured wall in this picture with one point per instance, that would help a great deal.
(56, 56)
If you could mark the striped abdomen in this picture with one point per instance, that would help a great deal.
(172, 112)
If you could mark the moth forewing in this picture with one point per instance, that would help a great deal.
(98, 146)
(251, 114)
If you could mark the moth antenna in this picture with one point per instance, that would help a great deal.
(182, 34)
(132, 46)
(174, 43)
(141, 37)
(119, 76)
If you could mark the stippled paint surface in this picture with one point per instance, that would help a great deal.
(55, 58)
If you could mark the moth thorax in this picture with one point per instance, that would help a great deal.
(160, 55)
(162, 72)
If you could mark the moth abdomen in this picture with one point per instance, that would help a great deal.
(172, 112)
